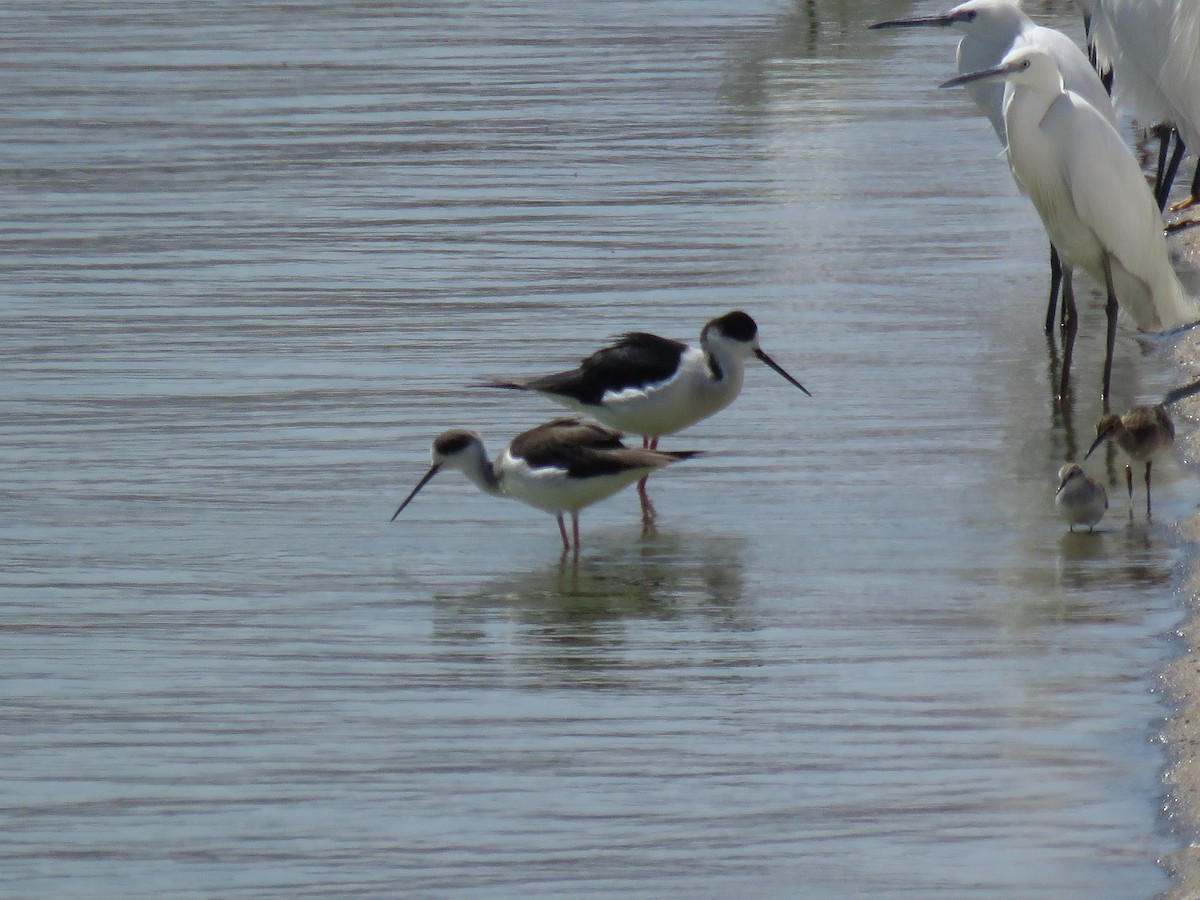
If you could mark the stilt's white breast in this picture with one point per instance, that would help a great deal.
(551, 489)
(688, 396)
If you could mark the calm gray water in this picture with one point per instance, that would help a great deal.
(253, 257)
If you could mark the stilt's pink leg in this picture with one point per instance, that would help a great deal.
(647, 507)
(562, 529)
(575, 529)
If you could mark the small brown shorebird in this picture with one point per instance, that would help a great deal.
(653, 386)
(1143, 433)
(560, 467)
(1080, 500)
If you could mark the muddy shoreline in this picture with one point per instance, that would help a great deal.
(1181, 679)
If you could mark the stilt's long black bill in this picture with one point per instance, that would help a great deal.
(420, 484)
(942, 21)
(1096, 443)
(778, 368)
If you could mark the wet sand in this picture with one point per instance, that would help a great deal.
(1182, 678)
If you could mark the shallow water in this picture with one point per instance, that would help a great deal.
(256, 255)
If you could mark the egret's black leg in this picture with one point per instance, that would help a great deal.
(1055, 283)
(1070, 328)
(1110, 309)
(1166, 177)
(1189, 201)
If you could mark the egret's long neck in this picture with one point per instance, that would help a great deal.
(476, 466)
(1027, 105)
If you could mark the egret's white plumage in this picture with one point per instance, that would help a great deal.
(1090, 193)
(1153, 47)
(991, 30)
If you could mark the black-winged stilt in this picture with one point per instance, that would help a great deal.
(560, 467)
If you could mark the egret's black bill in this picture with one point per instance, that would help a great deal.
(958, 81)
(918, 22)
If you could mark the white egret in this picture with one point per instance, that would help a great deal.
(1153, 47)
(1091, 196)
(993, 28)
(1135, 93)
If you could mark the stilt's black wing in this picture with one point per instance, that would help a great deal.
(638, 359)
(583, 449)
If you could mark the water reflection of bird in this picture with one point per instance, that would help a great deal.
(1092, 198)
(654, 386)
(560, 467)
(991, 29)
(1080, 500)
(571, 622)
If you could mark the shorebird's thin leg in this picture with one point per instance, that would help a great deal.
(1129, 485)
(1055, 283)
(1148, 464)
(1163, 133)
(1070, 329)
(648, 513)
(1191, 201)
(1110, 310)
(1163, 187)
(575, 530)
(562, 529)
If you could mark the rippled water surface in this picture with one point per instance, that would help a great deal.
(255, 256)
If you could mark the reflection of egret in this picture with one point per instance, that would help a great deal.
(653, 386)
(1091, 196)
(1144, 433)
(991, 29)
(1152, 46)
(1080, 500)
(561, 466)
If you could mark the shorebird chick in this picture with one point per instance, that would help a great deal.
(560, 467)
(1080, 500)
(654, 386)
(1143, 433)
